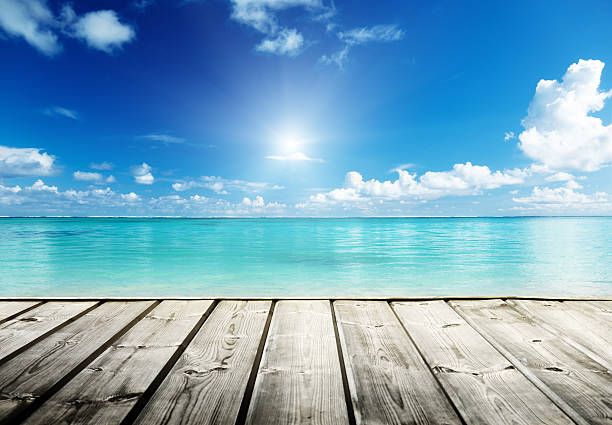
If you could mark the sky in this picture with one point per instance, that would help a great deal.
(316, 108)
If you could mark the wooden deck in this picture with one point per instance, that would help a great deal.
(316, 361)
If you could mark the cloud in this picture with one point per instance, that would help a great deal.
(142, 174)
(560, 131)
(164, 138)
(360, 36)
(261, 14)
(287, 42)
(86, 176)
(297, 156)
(21, 162)
(564, 197)
(560, 177)
(60, 111)
(130, 197)
(463, 179)
(103, 30)
(509, 135)
(377, 33)
(221, 186)
(102, 165)
(31, 20)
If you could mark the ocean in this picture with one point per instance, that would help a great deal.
(348, 257)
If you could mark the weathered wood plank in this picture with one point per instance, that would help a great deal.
(106, 391)
(573, 377)
(483, 384)
(27, 377)
(388, 380)
(8, 309)
(207, 384)
(581, 325)
(34, 324)
(299, 380)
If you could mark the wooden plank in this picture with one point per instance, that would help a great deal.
(579, 385)
(106, 391)
(388, 380)
(207, 384)
(580, 324)
(299, 380)
(483, 384)
(27, 377)
(8, 309)
(34, 324)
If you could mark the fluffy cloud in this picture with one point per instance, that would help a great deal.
(297, 156)
(463, 179)
(62, 112)
(262, 16)
(98, 178)
(560, 131)
(559, 177)
(287, 42)
(221, 186)
(33, 21)
(19, 162)
(564, 198)
(142, 174)
(103, 30)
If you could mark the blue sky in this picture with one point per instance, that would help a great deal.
(305, 108)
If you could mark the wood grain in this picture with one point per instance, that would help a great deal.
(34, 324)
(483, 384)
(580, 324)
(28, 376)
(8, 309)
(578, 380)
(207, 384)
(110, 386)
(388, 380)
(299, 380)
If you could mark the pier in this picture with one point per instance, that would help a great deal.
(508, 360)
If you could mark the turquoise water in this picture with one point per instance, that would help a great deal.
(305, 257)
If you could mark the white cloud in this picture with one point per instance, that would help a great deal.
(463, 179)
(142, 174)
(339, 58)
(296, 156)
(164, 138)
(560, 177)
(559, 131)
(18, 162)
(31, 20)
(60, 111)
(130, 197)
(102, 165)
(87, 176)
(509, 135)
(287, 42)
(103, 30)
(360, 36)
(564, 197)
(261, 14)
(222, 186)
(377, 33)
(40, 186)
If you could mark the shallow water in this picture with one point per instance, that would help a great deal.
(306, 257)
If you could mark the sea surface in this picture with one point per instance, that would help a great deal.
(306, 257)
